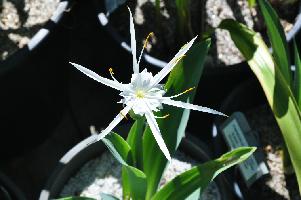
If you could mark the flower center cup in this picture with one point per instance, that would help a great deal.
(140, 94)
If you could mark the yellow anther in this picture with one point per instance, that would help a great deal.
(151, 34)
(111, 70)
(188, 90)
(123, 115)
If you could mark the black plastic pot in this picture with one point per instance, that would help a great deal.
(8, 190)
(22, 54)
(33, 88)
(73, 160)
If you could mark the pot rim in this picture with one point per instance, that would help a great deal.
(37, 39)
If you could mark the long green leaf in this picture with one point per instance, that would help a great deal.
(277, 90)
(277, 39)
(184, 20)
(185, 75)
(297, 77)
(200, 176)
(137, 182)
(119, 148)
(134, 139)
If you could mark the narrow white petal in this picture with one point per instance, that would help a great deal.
(181, 104)
(133, 43)
(156, 132)
(158, 77)
(114, 123)
(114, 84)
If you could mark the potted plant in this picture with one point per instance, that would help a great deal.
(274, 74)
(147, 149)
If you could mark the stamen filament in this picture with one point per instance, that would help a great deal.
(162, 117)
(188, 90)
(145, 45)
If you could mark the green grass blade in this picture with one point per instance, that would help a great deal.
(200, 176)
(297, 77)
(185, 75)
(119, 148)
(277, 39)
(276, 89)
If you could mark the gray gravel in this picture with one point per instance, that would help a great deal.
(162, 45)
(102, 175)
(217, 10)
(20, 20)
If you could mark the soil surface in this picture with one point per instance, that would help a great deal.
(103, 175)
(20, 20)
(169, 37)
(278, 186)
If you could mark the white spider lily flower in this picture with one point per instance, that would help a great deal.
(144, 94)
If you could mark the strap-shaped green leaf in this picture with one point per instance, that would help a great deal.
(277, 39)
(134, 139)
(119, 148)
(108, 197)
(297, 77)
(200, 176)
(137, 182)
(185, 75)
(276, 88)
